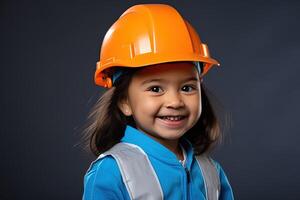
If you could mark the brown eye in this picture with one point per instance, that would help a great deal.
(188, 88)
(155, 89)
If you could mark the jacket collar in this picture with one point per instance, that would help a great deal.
(155, 149)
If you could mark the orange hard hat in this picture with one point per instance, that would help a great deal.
(149, 34)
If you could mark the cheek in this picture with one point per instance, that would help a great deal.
(196, 106)
(150, 106)
(143, 105)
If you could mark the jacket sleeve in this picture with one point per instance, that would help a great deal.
(226, 190)
(103, 180)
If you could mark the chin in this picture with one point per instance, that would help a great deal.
(171, 134)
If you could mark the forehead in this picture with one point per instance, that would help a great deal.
(174, 70)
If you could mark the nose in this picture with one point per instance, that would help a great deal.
(174, 100)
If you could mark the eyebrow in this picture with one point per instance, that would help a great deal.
(163, 80)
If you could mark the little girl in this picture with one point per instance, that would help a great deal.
(153, 127)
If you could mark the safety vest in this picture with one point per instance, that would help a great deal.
(134, 166)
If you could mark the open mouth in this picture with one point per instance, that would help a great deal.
(173, 121)
(172, 118)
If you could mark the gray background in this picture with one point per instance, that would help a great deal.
(48, 55)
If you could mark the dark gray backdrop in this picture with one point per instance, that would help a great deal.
(48, 55)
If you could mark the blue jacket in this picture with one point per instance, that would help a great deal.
(103, 180)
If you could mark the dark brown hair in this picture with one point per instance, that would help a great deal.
(106, 123)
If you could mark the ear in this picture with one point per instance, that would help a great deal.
(125, 107)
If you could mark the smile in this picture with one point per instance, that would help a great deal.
(172, 121)
(172, 118)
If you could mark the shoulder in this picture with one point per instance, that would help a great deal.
(103, 179)
(226, 189)
(217, 165)
(212, 161)
(219, 168)
(99, 166)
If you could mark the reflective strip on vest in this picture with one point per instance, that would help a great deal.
(134, 166)
(210, 177)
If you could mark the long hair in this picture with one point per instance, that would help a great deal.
(106, 123)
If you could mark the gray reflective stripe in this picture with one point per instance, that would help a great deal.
(137, 172)
(141, 180)
(210, 177)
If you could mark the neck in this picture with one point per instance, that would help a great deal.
(172, 145)
(175, 148)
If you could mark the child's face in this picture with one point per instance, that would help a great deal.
(160, 91)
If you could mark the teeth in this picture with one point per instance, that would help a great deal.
(171, 118)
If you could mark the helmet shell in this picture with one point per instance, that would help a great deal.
(149, 34)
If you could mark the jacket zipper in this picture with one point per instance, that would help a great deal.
(188, 183)
(187, 175)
